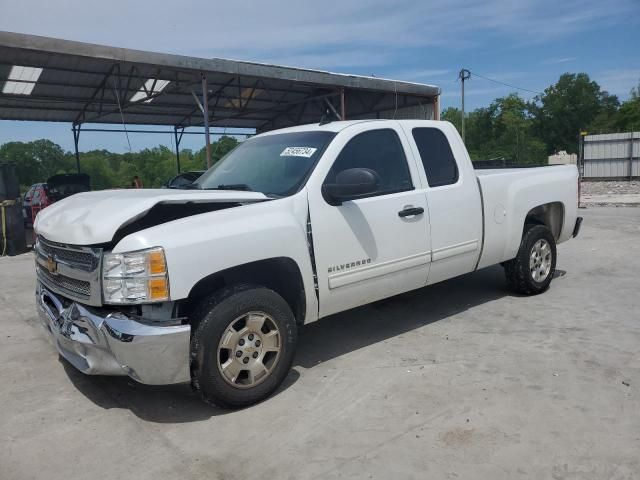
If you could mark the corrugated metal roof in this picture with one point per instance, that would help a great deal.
(86, 83)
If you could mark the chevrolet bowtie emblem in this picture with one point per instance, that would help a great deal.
(52, 265)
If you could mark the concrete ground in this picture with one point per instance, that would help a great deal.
(621, 193)
(458, 380)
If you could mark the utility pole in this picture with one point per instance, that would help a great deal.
(464, 75)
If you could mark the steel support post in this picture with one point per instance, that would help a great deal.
(76, 139)
(205, 106)
(631, 157)
(580, 165)
(178, 138)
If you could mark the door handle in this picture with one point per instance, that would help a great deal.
(411, 211)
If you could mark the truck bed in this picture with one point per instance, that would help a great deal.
(508, 193)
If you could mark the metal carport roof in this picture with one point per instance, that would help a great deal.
(68, 81)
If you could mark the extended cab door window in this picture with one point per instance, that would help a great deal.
(380, 151)
(437, 157)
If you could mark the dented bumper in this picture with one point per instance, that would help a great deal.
(101, 342)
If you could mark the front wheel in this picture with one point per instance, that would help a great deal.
(243, 346)
(533, 268)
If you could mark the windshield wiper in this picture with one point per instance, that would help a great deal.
(232, 186)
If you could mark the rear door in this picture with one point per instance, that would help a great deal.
(455, 206)
(365, 249)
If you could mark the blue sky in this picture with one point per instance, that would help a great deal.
(528, 43)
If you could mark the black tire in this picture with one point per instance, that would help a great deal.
(212, 317)
(520, 279)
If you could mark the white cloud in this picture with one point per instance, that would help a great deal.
(362, 36)
(558, 61)
(331, 33)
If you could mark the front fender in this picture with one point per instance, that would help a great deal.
(200, 245)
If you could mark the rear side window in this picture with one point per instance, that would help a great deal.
(437, 157)
(379, 150)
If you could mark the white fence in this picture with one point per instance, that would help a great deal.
(612, 155)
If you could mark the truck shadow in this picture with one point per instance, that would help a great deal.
(319, 342)
(153, 403)
(349, 331)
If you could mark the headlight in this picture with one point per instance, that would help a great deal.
(135, 277)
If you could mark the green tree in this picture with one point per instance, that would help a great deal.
(453, 115)
(628, 116)
(35, 161)
(502, 130)
(572, 104)
(219, 149)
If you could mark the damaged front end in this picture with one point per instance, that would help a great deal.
(111, 313)
(105, 217)
(100, 341)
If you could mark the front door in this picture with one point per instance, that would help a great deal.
(369, 248)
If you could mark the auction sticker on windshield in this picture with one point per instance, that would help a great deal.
(306, 152)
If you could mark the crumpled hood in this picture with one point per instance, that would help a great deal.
(93, 217)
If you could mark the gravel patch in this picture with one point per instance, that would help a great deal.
(618, 187)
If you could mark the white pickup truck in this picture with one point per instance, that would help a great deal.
(209, 284)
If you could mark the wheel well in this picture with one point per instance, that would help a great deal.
(280, 274)
(549, 214)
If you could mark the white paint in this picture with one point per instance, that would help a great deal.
(499, 213)
(367, 228)
(93, 217)
(453, 250)
(454, 210)
(520, 190)
(371, 271)
(405, 253)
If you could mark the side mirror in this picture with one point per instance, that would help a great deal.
(351, 184)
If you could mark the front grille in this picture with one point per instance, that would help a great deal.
(85, 260)
(70, 270)
(71, 285)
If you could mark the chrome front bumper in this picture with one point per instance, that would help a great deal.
(98, 342)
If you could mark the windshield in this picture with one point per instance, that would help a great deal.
(275, 165)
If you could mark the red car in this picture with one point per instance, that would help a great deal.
(41, 195)
(37, 197)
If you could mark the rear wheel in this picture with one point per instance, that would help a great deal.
(533, 268)
(243, 346)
